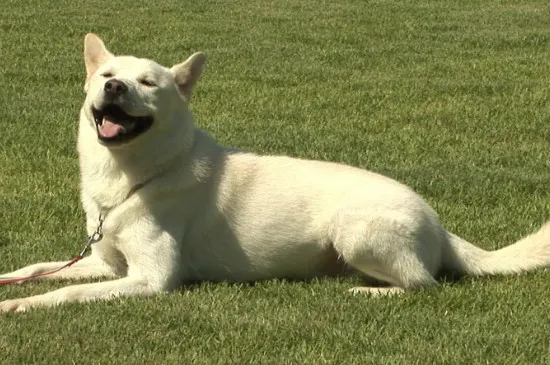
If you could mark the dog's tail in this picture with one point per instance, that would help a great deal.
(529, 253)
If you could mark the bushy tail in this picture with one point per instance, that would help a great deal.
(529, 253)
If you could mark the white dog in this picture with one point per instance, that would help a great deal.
(177, 207)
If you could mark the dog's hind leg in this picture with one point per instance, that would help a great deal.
(406, 254)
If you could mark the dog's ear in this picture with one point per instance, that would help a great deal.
(95, 54)
(187, 73)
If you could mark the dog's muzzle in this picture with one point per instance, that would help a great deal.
(113, 124)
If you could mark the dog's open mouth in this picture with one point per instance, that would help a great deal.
(116, 126)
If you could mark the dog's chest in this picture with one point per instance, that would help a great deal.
(103, 218)
(107, 249)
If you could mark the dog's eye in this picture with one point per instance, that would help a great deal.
(146, 83)
(107, 75)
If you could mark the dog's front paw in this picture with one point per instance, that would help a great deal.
(15, 305)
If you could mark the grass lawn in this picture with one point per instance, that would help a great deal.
(449, 97)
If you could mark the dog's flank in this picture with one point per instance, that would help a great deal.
(206, 212)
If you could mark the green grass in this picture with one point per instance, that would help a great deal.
(449, 97)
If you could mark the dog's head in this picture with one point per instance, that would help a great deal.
(128, 98)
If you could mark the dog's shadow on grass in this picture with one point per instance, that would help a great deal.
(352, 279)
(196, 285)
(444, 279)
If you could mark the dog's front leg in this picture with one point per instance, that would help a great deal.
(153, 258)
(82, 293)
(89, 267)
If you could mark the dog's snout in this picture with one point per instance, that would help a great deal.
(115, 87)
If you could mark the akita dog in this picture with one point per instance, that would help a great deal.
(168, 205)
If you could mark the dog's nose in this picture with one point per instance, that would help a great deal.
(115, 87)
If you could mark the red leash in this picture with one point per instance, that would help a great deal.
(95, 237)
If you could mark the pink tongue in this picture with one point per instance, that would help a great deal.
(109, 129)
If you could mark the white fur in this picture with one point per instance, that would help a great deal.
(205, 212)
